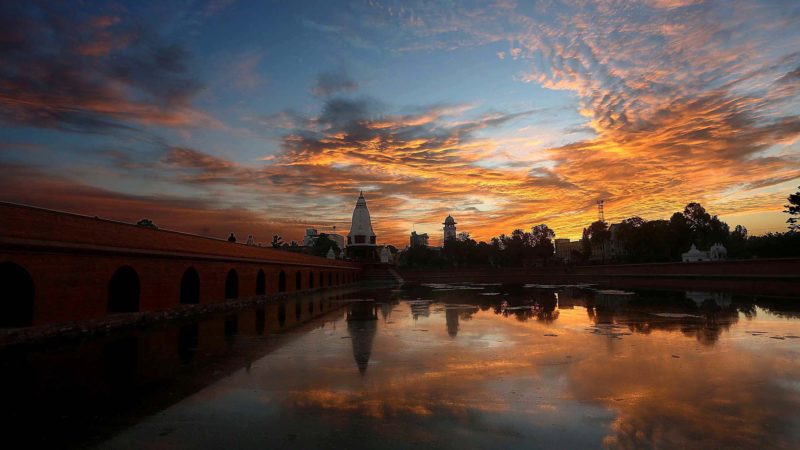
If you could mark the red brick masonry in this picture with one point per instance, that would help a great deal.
(71, 259)
(754, 276)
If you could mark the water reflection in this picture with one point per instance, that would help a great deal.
(485, 367)
(362, 325)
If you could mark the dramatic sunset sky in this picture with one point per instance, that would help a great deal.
(269, 117)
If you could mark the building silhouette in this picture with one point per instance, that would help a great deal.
(449, 228)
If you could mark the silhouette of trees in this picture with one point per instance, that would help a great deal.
(635, 240)
(793, 209)
(277, 241)
(323, 244)
(542, 240)
(598, 237)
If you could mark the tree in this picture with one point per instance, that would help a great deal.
(599, 236)
(737, 242)
(793, 209)
(323, 244)
(276, 241)
(706, 229)
(542, 239)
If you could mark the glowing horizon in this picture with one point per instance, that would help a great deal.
(268, 118)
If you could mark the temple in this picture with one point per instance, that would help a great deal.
(449, 228)
(361, 240)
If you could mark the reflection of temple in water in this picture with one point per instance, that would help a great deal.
(452, 315)
(361, 326)
(420, 308)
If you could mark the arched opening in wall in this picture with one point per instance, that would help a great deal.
(261, 283)
(190, 287)
(281, 314)
(298, 281)
(311, 307)
(232, 284)
(17, 293)
(330, 279)
(282, 281)
(310, 279)
(298, 309)
(322, 279)
(123, 291)
(337, 278)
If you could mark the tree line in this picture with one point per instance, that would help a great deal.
(634, 240)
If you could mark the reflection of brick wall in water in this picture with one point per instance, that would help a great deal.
(71, 260)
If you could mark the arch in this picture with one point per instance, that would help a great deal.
(261, 283)
(321, 279)
(282, 281)
(298, 280)
(330, 278)
(298, 309)
(18, 290)
(337, 278)
(311, 307)
(190, 287)
(123, 291)
(232, 285)
(310, 279)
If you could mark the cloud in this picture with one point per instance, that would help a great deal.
(99, 73)
(329, 83)
(682, 101)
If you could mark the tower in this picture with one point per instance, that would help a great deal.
(361, 240)
(449, 228)
(600, 213)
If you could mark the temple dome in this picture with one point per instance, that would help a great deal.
(361, 227)
(449, 220)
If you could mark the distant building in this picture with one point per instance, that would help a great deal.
(418, 240)
(312, 235)
(310, 238)
(717, 252)
(449, 228)
(565, 247)
(611, 250)
(361, 240)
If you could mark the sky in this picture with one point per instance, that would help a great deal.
(269, 117)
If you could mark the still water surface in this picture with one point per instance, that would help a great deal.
(437, 366)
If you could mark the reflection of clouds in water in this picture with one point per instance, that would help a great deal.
(701, 397)
(727, 399)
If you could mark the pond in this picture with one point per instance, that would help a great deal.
(433, 366)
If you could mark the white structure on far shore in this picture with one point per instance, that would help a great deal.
(717, 252)
(449, 228)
